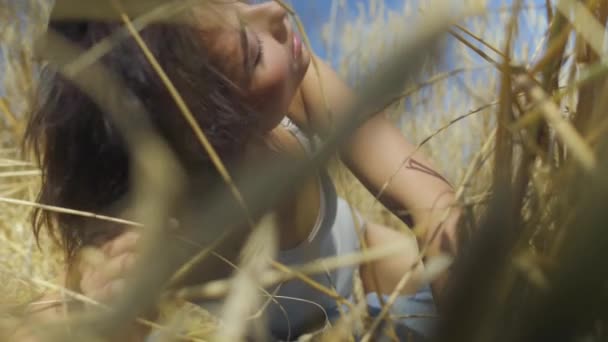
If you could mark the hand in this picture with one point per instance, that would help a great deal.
(103, 270)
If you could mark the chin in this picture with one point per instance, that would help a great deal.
(302, 68)
(305, 60)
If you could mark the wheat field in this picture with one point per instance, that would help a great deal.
(511, 111)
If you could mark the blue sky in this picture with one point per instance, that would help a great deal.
(316, 13)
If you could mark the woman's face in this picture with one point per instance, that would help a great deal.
(265, 55)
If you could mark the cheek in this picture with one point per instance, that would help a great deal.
(274, 86)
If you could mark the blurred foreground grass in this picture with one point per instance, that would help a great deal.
(535, 69)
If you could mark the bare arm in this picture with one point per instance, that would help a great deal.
(99, 276)
(376, 152)
(48, 308)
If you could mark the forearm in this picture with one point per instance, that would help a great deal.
(52, 311)
(388, 165)
(55, 310)
(409, 186)
(46, 309)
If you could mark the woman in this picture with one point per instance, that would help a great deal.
(245, 74)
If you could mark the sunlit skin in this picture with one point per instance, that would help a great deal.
(273, 69)
(266, 56)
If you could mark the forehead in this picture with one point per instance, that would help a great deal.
(219, 12)
(221, 32)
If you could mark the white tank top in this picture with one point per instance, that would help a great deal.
(297, 306)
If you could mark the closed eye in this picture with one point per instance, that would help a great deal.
(260, 54)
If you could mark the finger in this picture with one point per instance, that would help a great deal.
(90, 257)
(89, 283)
(123, 243)
(116, 267)
(93, 279)
(115, 287)
(110, 290)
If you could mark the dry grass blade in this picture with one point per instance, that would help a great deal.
(4, 108)
(425, 141)
(220, 288)
(244, 298)
(162, 12)
(580, 150)
(205, 252)
(590, 99)
(311, 282)
(180, 275)
(552, 57)
(597, 132)
(549, 11)
(478, 51)
(435, 267)
(96, 10)
(503, 157)
(24, 173)
(476, 164)
(68, 211)
(14, 162)
(428, 83)
(70, 296)
(480, 40)
(584, 23)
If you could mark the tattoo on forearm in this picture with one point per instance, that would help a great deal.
(413, 164)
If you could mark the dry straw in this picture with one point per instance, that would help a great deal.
(506, 92)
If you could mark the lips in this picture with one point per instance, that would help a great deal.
(297, 46)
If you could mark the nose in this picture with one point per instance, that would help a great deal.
(271, 17)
